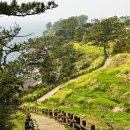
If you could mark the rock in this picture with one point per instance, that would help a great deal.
(117, 109)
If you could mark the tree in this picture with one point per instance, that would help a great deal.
(101, 32)
(11, 73)
(68, 56)
(49, 25)
(54, 57)
(6, 48)
(9, 99)
(82, 20)
(30, 8)
(122, 45)
(47, 60)
(66, 28)
(80, 33)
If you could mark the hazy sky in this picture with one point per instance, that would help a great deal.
(92, 8)
(67, 8)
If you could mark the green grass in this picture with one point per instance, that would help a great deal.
(36, 94)
(95, 95)
(19, 121)
(92, 56)
(103, 89)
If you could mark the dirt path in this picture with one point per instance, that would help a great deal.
(107, 62)
(44, 123)
(52, 92)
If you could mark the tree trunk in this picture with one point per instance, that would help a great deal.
(105, 52)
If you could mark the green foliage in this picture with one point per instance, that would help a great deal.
(54, 57)
(19, 121)
(49, 25)
(36, 94)
(122, 45)
(30, 8)
(66, 28)
(9, 99)
(106, 30)
(102, 90)
(68, 57)
(79, 34)
(82, 20)
(12, 73)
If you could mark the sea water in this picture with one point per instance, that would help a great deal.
(32, 24)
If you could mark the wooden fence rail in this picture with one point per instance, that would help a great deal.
(28, 122)
(74, 122)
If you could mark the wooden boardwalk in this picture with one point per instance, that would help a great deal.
(45, 123)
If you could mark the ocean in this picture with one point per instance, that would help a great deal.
(28, 25)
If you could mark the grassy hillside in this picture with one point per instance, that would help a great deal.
(91, 57)
(19, 121)
(103, 95)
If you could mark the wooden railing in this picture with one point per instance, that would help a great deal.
(28, 122)
(72, 121)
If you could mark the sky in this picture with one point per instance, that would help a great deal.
(92, 8)
(65, 9)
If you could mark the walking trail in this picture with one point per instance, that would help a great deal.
(107, 63)
(44, 123)
(53, 91)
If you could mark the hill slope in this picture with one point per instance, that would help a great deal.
(100, 94)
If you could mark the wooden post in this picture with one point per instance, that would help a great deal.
(28, 108)
(27, 125)
(28, 115)
(78, 120)
(28, 122)
(55, 114)
(51, 113)
(84, 123)
(64, 117)
(68, 119)
(75, 118)
(78, 123)
(34, 109)
(71, 117)
(42, 111)
(37, 110)
(59, 114)
(92, 127)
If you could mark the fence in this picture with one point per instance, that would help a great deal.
(72, 121)
(29, 122)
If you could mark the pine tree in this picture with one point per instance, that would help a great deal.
(30, 8)
(11, 73)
